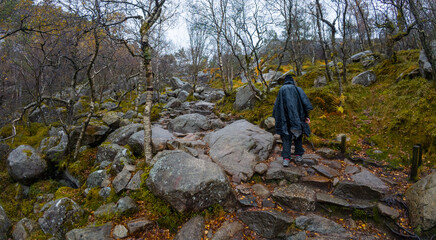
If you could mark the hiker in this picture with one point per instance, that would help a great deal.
(291, 112)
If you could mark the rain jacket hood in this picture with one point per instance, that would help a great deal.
(291, 109)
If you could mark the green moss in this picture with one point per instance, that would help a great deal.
(39, 235)
(43, 187)
(84, 165)
(359, 214)
(68, 192)
(31, 134)
(155, 112)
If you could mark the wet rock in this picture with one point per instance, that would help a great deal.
(351, 169)
(54, 147)
(365, 79)
(188, 183)
(120, 181)
(388, 211)
(348, 189)
(421, 202)
(120, 232)
(295, 196)
(214, 96)
(5, 223)
(138, 225)
(245, 99)
(248, 201)
(122, 134)
(229, 230)
(159, 138)
(112, 119)
(25, 165)
(317, 181)
(189, 123)
(330, 199)
(101, 233)
(59, 216)
(239, 146)
(326, 171)
(359, 56)
(268, 203)
(267, 223)
(98, 178)
(276, 171)
(23, 229)
(318, 224)
(366, 178)
(193, 229)
(105, 192)
(105, 210)
(261, 191)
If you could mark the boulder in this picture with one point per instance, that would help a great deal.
(189, 123)
(45, 114)
(108, 106)
(326, 152)
(188, 183)
(94, 134)
(214, 96)
(122, 134)
(267, 223)
(245, 99)
(159, 139)
(276, 171)
(25, 165)
(388, 211)
(98, 178)
(23, 229)
(261, 191)
(120, 232)
(182, 96)
(358, 56)
(5, 223)
(59, 216)
(126, 205)
(192, 230)
(326, 171)
(366, 178)
(112, 119)
(318, 224)
(421, 202)
(352, 190)
(295, 196)
(135, 182)
(4, 151)
(424, 65)
(320, 81)
(139, 224)
(238, 147)
(101, 233)
(106, 210)
(229, 230)
(173, 103)
(121, 180)
(365, 79)
(54, 147)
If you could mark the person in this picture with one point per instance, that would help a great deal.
(291, 112)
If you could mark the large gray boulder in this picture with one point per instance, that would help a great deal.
(25, 165)
(318, 224)
(59, 216)
(5, 223)
(245, 99)
(421, 202)
(424, 65)
(159, 139)
(182, 96)
(188, 183)
(366, 178)
(296, 196)
(214, 96)
(122, 134)
(45, 114)
(320, 81)
(192, 230)
(365, 79)
(98, 233)
(112, 119)
(23, 229)
(189, 123)
(267, 223)
(108, 152)
(238, 147)
(99, 178)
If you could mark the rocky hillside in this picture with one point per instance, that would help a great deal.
(216, 174)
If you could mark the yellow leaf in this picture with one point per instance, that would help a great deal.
(341, 109)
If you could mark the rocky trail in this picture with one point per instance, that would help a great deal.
(202, 161)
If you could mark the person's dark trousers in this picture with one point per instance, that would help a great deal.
(287, 141)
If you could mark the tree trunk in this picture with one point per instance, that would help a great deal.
(147, 78)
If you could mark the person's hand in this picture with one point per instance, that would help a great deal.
(308, 120)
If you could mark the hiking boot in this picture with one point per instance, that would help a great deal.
(298, 158)
(286, 162)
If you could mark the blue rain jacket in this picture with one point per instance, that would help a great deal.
(291, 109)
